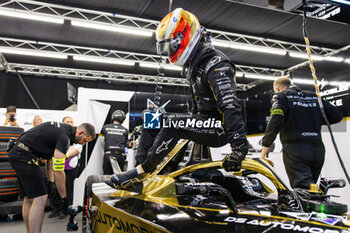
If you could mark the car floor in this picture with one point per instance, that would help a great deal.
(50, 225)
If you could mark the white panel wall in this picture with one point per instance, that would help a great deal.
(331, 167)
(95, 112)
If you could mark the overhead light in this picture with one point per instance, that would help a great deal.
(113, 28)
(157, 66)
(321, 83)
(303, 81)
(30, 52)
(239, 74)
(170, 67)
(324, 83)
(256, 48)
(107, 60)
(221, 43)
(335, 59)
(260, 76)
(316, 57)
(149, 65)
(305, 56)
(340, 83)
(347, 60)
(248, 47)
(31, 16)
(341, 1)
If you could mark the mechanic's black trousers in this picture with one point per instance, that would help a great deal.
(172, 131)
(303, 163)
(107, 167)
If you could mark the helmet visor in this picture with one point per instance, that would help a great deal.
(169, 47)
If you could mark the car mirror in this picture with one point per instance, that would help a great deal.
(327, 183)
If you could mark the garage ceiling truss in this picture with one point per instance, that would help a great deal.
(73, 73)
(70, 13)
(228, 37)
(334, 53)
(68, 50)
(115, 19)
(94, 75)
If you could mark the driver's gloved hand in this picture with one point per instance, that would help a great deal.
(233, 161)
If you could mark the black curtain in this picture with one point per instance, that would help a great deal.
(51, 93)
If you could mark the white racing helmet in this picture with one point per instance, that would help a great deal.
(177, 34)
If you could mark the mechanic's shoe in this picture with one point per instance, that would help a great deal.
(54, 213)
(129, 180)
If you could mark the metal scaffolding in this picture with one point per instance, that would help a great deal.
(267, 43)
(69, 13)
(115, 19)
(70, 50)
(95, 75)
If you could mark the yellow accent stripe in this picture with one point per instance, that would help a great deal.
(162, 27)
(346, 118)
(277, 111)
(216, 99)
(58, 164)
(256, 135)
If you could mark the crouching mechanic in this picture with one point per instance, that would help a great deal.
(212, 79)
(43, 141)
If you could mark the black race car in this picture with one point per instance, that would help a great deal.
(190, 193)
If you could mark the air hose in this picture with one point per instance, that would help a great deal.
(317, 90)
(158, 88)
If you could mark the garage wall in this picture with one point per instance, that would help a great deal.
(51, 92)
(332, 166)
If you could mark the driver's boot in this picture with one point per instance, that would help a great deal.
(129, 180)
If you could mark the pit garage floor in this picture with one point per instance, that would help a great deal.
(50, 225)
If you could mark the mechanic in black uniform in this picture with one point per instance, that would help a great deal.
(116, 137)
(296, 115)
(212, 79)
(49, 140)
